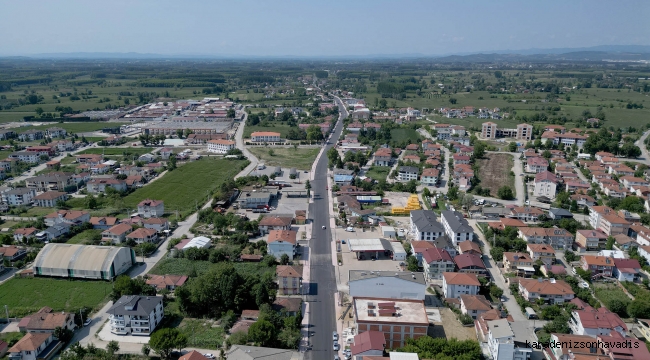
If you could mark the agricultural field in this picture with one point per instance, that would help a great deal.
(300, 158)
(189, 186)
(494, 172)
(27, 295)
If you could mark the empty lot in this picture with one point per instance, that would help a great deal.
(494, 172)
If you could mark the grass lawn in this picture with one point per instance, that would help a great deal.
(202, 333)
(11, 337)
(180, 266)
(38, 211)
(608, 293)
(189, 185)
(24, 295)
(275, 126)
(300, 158)
(84, 236)
(117, 151)
(408, 135)
(378, 172)
(494, 172)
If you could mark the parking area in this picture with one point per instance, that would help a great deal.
(283, 175)
(350, 261)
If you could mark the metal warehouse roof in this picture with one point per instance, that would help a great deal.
(77, 257)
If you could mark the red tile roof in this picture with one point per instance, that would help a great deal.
(366, 341)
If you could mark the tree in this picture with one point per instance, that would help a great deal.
(171, 164)
(261, 332)
(495, 291)
(231, 113)
(479, 150)
(412, 263)
(505, 193)
(63, 334)
(308, 187)
(452, 193)
(165, 340)
(146, 349)
(112, 347)
(284, 259)
(39, 111)
(452, 101)
(610, 243)
(512, 147)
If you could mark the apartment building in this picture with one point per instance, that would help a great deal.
(136, 315)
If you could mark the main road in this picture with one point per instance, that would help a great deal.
(322, 281)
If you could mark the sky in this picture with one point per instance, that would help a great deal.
(317, 27)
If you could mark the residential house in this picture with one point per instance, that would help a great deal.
(46, 321)
(583, 200)
(551, 291)
(456, 227)
(50, 198)
(469, 247)
(274, 222)
(90, 159)
(474, 305)
(591, 239)
(142, 235)
(289, 279)
(70, 217)
(430, 176)
(559, 214)
(526, 213)
(592, 322)
(24, 234)
(135, 315)
(630, 181)
(12, 253)
(461, 159)
(597, 265)
(54, 132)
(616, 346)
(368, 344)
(221, 146)
(518, 263)
(168, 282)
(624, 242)
(456, 284)
(542, 252)
(612, 224)
(18, 196)
(31, 135)
(151, 208)
(424, 225)
(545, 185)
(281, 242)
(471, 264)
(504, 343)
(103, 222)
(25, 156)
(556, 237)
(158, 224)
(35, 346)
(56, 181)
(564, 350)
(99, 185)
(436, 262)
(407, 173)
(383, 157)
(116, 234)
(536, 165)
(626, 269)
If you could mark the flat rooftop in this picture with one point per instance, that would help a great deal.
(397, 311)
(369, 245)
(218, 126)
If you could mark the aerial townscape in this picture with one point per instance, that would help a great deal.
(160, 201)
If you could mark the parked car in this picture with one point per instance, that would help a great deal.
(88, 322)
(336, 346)
(335, 336)
(349, 229)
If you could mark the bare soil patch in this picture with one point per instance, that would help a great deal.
(494, 172)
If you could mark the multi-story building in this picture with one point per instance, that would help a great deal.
(536, 165)
(135, 315)
(436, 262)
(424, 225)
(504, 344)
(383, 157)
(592, 322)
(407, 173)
(18, 196)
(265, 136)
(220, 146)
(518, 263)
(596, 213)
(281, 242)
(289, 279)
(398, 320)
(545, 185)
(598, 265)
(456, 284)
(489, 130)
(117, 233)
(591, 239)
(151, 208)
(474, 305)
(430, 176)
(542, 252)
(456, 227)
(50, 198)
(612, 224)
(555, 237)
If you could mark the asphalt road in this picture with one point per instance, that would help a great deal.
(322, 282)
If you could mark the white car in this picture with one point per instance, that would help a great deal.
(88, 321)
(584, 285)
(336, 346)
(349, 229)
(209, 356)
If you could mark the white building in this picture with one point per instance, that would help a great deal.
(424, 225)
(280, 242)
(19, 196)
(220, 146)
(265, 136)
(135, 315)
(407, 173)
(501, 342)
(456, 227)
(32, 346)
(456, 284)
(151, 208)
(545, 184)
(387, 284)
(594, 322)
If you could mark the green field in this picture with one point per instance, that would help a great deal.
(378, 172)
(300, 158)
(117, 151)
(406, 135)
(84, 237)
(181, 266)
(189, 186)
(279, 127)
(24, 295)
(204, 334)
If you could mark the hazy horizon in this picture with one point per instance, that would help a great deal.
(258, 28)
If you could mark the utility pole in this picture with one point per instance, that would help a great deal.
(81, 314)
(7, 312)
